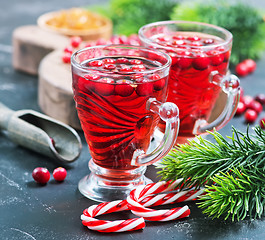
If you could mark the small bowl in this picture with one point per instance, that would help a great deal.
(102, 26)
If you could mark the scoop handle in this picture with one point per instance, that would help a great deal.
(5, 115)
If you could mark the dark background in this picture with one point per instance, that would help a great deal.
(30, 211)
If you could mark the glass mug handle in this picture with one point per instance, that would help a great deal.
(230, 85)
(169, 113)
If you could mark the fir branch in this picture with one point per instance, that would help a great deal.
(231, 169)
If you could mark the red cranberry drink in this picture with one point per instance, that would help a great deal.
(120, 94)
(198, 75)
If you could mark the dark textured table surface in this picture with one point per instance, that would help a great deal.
(30, 211)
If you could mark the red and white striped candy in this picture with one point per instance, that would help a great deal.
(142, 196)
(110, 226)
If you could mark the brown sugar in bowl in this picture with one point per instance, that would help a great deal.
(77, 22)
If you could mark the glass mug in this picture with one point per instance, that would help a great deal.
(199, 83)
(120, 93)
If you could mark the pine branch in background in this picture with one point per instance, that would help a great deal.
(231, 169)
(244, 21)
(129, 15)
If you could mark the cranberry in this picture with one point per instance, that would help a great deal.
(178, 42)
(125, 68)
(96, 63)
(122, 60)
(184, 61)
(123, 39)
(59, 174)
(195, 44)
(240, 108)
(250, 116)
(41, 175)
(194, 38)
(159, 84)
(260, 98)
(178, 37)
(216, 57)
(92, 76)
(138, 68)
(75, 41)
(241, 69)
(256, 106)
(247, 100)
(250, 64)
(201, 62)
(208, 41)
(144, 87)
(66, 58)
(105, 86)
(109, 61)
(109, 66)
(101, 41)
(68, 49)
(124, 88)
(136, 62)
(262, 123)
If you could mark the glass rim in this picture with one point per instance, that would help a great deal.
(159, 68)
(228, 34)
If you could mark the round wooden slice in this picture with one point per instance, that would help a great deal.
(55, 94)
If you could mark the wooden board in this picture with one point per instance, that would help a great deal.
(31, 44)
(55, 95)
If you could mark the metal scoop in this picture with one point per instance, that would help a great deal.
(41, 134)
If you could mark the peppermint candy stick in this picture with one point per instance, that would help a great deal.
(140, 197)
(110, 226)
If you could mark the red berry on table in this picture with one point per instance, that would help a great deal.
(250, 116)
(66, 58)
(251, 65)
(240, 108)
(75, 41)
(256, 106)
(124, 88)
(260, 98)
(241, 69)
(59, 174)
(262, 123)
(247, 99)
(68, 49)
(41, 175)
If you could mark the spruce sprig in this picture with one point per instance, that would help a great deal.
(231, 169)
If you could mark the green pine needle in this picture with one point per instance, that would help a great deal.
(231, 169)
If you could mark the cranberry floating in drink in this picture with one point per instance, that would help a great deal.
(120, 94)
(199, 82)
